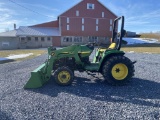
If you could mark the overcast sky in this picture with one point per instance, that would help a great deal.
(140, 15)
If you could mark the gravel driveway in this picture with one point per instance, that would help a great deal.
(87, 98)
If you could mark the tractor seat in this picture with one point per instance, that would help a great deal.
(112, 46)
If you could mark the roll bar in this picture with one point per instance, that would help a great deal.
(121, 34)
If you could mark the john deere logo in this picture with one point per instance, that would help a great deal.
(52, 53)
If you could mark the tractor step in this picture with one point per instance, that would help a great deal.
(92, 67)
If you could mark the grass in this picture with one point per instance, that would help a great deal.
(142, 48)
(151, 35)
(143, 45)
(6, 53)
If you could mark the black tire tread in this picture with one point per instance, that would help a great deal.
(106, 71)
(66, 69)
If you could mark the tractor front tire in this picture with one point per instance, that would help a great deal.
(118, 70)
(64, 76)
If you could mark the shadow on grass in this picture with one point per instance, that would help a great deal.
(138, 91)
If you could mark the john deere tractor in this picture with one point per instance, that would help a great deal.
(109, 61)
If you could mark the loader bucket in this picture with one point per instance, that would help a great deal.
(38, 77)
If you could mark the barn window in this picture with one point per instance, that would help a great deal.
(97, 21)
(90, 6)
(48, 38)
(67, 39)
(28, 38)
(77, 13)
(67, 19)
(82, 20)
(93, 38)
(110, 28)
(102, 14)
(70, 39)
(77, 39)
(67, 27)
(96, 28)
(42, 39)
(111, 21)
(36, 38)
(82, 27)
(22, 39)
(5, 44)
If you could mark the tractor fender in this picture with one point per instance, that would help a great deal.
(107, 56)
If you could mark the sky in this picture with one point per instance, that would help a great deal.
(140, 15)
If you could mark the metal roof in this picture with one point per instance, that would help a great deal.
(11, 33)
(31, 31)
(37, 31)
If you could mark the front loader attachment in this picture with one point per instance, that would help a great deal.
(38, 77)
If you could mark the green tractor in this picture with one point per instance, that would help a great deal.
(109, 61)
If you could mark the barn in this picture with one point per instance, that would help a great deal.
(87, 21)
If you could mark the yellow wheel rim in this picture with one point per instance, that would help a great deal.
(119, 71)
(64, 76)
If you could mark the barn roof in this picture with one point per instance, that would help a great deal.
(37, 31)
(31, 31)
(11, 33)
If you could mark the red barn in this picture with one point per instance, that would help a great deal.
(87, 21)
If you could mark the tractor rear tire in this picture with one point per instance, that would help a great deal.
(118, 70)
(64, 76)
